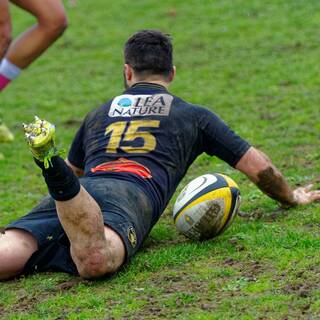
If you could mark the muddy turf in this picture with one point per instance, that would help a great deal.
(254, 63)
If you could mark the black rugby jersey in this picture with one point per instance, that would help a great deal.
(165, 134)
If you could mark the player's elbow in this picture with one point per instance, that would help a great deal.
(254, 163)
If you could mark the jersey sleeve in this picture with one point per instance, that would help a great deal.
(219, 140)
(76, 154)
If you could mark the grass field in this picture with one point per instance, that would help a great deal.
(256, 64)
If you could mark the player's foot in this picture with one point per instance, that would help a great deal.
(5, 134)
(40, 136)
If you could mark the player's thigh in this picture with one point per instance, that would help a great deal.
(5, 22)
(116, 249)
(46, 11)
(4, 12)
(17, 243)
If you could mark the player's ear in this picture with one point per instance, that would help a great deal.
(128, 71)
(172, 73)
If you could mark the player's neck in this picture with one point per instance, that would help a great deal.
(152, 81)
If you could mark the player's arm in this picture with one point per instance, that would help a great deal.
(76, 156)
(77, 171)
(259, 169)
(5, 27)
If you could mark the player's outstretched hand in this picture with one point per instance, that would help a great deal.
(305, 195)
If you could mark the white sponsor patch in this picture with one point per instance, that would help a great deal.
(141, 105)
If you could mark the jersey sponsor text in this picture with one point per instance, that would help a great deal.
(141, 105)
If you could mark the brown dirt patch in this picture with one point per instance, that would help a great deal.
(26, 302)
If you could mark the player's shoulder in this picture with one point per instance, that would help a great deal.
(196, 109)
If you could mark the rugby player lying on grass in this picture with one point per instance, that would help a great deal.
(133, 151)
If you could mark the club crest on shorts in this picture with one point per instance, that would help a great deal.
(132, 236)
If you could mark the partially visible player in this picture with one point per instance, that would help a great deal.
(19, 54)
(133, 151)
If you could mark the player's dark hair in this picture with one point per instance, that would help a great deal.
(149, 52)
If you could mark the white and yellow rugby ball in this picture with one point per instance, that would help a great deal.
(206, 206)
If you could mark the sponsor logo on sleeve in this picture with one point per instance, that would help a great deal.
(141, 105)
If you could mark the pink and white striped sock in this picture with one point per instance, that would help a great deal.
(8, 72)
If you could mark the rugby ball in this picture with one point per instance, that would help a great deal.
(206, 206)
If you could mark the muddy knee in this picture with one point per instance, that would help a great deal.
(97, 264)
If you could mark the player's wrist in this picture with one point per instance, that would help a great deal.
(291, 201)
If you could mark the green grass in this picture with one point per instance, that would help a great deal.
(254, 63)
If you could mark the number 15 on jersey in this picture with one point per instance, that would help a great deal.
(124, 136)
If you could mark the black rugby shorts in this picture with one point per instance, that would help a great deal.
(125, 208)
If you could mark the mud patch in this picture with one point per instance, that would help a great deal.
(236, 243)
(70, 284)
(313, 228)
(27, 302)
(260, 214)
(151, 243)
(183, 291)
(302, 290)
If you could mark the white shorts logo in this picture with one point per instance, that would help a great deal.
(141, 105)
